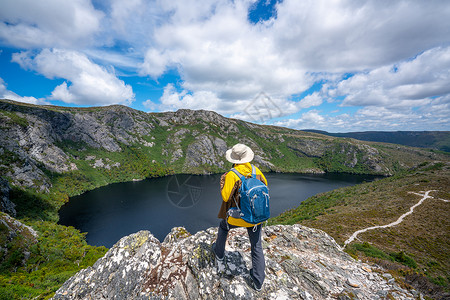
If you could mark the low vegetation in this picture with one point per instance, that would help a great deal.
(58, 254)
(419, 246)
(35, 270)
(133, 162)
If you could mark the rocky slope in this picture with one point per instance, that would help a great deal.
(6, 205)
(301, 263)
(37, 142)
(14, 236)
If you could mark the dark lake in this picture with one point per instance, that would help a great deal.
(159, 204)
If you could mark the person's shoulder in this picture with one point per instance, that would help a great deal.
(230, 174)
(258, 171)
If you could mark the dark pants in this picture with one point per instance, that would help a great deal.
(254, 234)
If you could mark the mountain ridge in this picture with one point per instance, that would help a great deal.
(48, 154)
(61, 140)
(438, 140)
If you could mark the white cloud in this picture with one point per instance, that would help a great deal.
(434, 115)
(397, 50)
(10, 95)
(311, 100)
(343, 36)
(217, 51)
(150, 105)
(408, 84)
(259, 109)
(87, 83)
(173, 100)
(49, 23)
(308, 120)
(155, 63)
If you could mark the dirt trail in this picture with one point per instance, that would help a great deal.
(425, 195)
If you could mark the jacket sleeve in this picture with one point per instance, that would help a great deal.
(228, 193)
(228, 186)
(258, 172)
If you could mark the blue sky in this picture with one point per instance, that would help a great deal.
(338, 66)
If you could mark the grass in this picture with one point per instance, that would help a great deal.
(371, 251)
(135, 163)
(13, 117)
(59, 253)
(421, 241)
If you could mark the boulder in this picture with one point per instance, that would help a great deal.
(301, 263)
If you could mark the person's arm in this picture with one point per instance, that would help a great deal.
(258, 172)
(227, 186)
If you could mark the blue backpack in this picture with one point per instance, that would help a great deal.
(254, 199)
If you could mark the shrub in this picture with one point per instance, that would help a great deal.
(404, 259)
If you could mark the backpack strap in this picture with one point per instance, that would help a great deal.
(241, 177)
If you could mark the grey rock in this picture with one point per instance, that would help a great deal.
(176, 155)
(183, 267)
(203, 152)
(27, 174)
(16, 227)
(353, 283)
(40, 141)
(15, 233)
(6, 205)
(309, 148)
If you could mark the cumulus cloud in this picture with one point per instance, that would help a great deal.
(215, 48)
(408, 83)
(308, 120)
(435, 115)
(10, 95)
(150, 105)
(261, 108)
(173, 100)
(87, 83)
(343, 36)
(314, 99)
(218, 51)
(384, 57)
(49, 23)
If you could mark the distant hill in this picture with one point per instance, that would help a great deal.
(78, 149)
(49, 153)
(439, 140)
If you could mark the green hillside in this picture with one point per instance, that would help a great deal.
(48, 154)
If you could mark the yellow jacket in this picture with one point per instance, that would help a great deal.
(229, 183)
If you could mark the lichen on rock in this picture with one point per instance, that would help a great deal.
(301, 263)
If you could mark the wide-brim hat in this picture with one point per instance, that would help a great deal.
(239, 154)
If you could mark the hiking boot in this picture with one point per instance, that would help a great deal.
(213, 250)
(251, 282)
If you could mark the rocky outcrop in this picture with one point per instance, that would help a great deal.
(308, 147)
(15, 240)
(36, 140)
(206, 150)
(301, 263)
(35, 137)
(6, 205)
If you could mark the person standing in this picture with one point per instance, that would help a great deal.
(241, 156)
